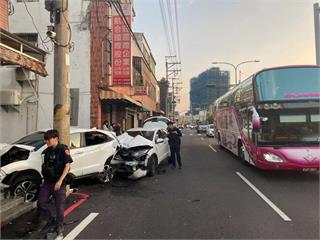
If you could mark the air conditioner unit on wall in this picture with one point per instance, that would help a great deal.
(24, 75)
(10, 97)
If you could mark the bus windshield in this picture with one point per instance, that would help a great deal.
(294, 127)
(300, 83)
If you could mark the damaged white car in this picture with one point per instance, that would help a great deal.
(91, 150)
(142, 150)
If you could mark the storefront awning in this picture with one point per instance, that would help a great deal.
(112, 95)
(16, 51)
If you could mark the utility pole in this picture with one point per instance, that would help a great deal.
(316, 9)
(59, 15)
(170, 70)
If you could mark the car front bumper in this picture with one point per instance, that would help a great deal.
(131, 169)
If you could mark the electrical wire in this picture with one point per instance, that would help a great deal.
(178, 38)
(172, 30)
(40, 36)
(36, 94)
(70, 44)
(177, 29)
(165, 25)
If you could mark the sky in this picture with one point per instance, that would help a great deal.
(276, 32)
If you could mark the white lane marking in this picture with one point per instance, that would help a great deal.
(202, 139)
(212, 148)
(199, 134)
(191, 134)
(85, 222)
(267, 200)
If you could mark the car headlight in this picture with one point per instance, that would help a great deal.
(140, 153)
(2, 174)
(272, 158)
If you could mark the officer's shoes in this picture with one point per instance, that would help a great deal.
(45, 226)
(60, 230)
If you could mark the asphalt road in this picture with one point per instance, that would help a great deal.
(213, 196)
(208, 198)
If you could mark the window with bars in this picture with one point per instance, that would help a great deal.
(137, 74)
(106, 57)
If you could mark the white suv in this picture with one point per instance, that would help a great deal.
(91, 151)
(142, 150)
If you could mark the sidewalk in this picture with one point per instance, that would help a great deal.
(25, 226)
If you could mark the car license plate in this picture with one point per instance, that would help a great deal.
(309, 169)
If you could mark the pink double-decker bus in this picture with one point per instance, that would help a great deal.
(271, 120)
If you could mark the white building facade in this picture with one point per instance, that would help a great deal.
(35, 110)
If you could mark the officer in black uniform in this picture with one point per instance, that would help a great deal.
(55, 168)
(174, 135)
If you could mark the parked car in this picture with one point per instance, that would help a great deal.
(142, 150)
(181, 127)
(202, 128)
(210, 130)
(91, 150)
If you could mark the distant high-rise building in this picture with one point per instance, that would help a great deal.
(207, 87)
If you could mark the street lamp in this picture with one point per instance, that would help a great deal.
(236, 67)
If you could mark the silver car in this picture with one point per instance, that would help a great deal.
(210, 131)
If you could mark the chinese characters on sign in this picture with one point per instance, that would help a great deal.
(121, 48)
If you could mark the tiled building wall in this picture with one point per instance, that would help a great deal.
(4, 14)
(100, 71)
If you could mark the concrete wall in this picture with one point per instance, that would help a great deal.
(80, 58)
(21, 22)
(14, 122)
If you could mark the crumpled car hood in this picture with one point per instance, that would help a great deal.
(128, 141)
(4, 147)
(10, 153)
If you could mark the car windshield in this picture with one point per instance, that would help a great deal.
(146, 134)
(290, 127)
(289, 84)
(34, 140)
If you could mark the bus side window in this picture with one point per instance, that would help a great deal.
(244, 120)
(250, 132)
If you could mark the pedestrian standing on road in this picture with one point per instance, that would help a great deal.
(55, 167)
(106, 125)
(174, 135)
(117, 129)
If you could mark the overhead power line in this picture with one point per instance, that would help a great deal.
(172, 30)
(43, 43)
(177, 29)
(165, 25)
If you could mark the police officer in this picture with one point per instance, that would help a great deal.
(55, 167)
(174, 135)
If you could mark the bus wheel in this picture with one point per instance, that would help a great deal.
(241, 154)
